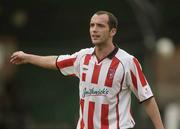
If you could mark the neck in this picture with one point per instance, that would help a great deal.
(103, 50)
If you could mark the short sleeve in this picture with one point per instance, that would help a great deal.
(68, 64)
(136, 80)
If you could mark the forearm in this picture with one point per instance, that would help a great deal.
(48, 62)
(153, 112)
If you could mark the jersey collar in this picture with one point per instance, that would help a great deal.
(111, 54)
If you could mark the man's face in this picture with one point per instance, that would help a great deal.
(99, 29)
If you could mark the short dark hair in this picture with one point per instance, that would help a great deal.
(113, 22)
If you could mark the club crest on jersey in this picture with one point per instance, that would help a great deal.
(111, 73)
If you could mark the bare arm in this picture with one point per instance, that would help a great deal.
(20, 57)
(153, 112)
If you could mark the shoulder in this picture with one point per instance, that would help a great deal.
(80, 54)
(124, 56)
(128, 60)
(86, 51)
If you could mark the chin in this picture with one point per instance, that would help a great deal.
(96, 42)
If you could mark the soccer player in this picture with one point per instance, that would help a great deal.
(107, 76)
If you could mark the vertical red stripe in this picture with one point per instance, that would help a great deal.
(83, 76)
(82, 110)
(86, 62)
(111, 72)
(140, 73)
(87, 59)
(91, 115)
(134, 80)
(104, 116)
(96, 72)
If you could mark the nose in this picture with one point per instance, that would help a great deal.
(94, 28)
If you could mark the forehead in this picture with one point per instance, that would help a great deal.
(103, 18)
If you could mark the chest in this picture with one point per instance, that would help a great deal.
(100, 79)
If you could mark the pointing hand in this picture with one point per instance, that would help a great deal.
(18, 58)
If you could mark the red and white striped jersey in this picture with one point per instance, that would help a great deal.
(105, 87)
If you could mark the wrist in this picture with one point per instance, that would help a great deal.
(27, 58)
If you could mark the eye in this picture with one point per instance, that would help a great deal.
(100, 25)
(91, 24)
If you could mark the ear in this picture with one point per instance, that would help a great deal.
(113, 31)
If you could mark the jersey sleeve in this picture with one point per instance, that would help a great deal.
(68, 64)
(136, 80)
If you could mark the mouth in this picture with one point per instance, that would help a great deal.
(95, 36)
